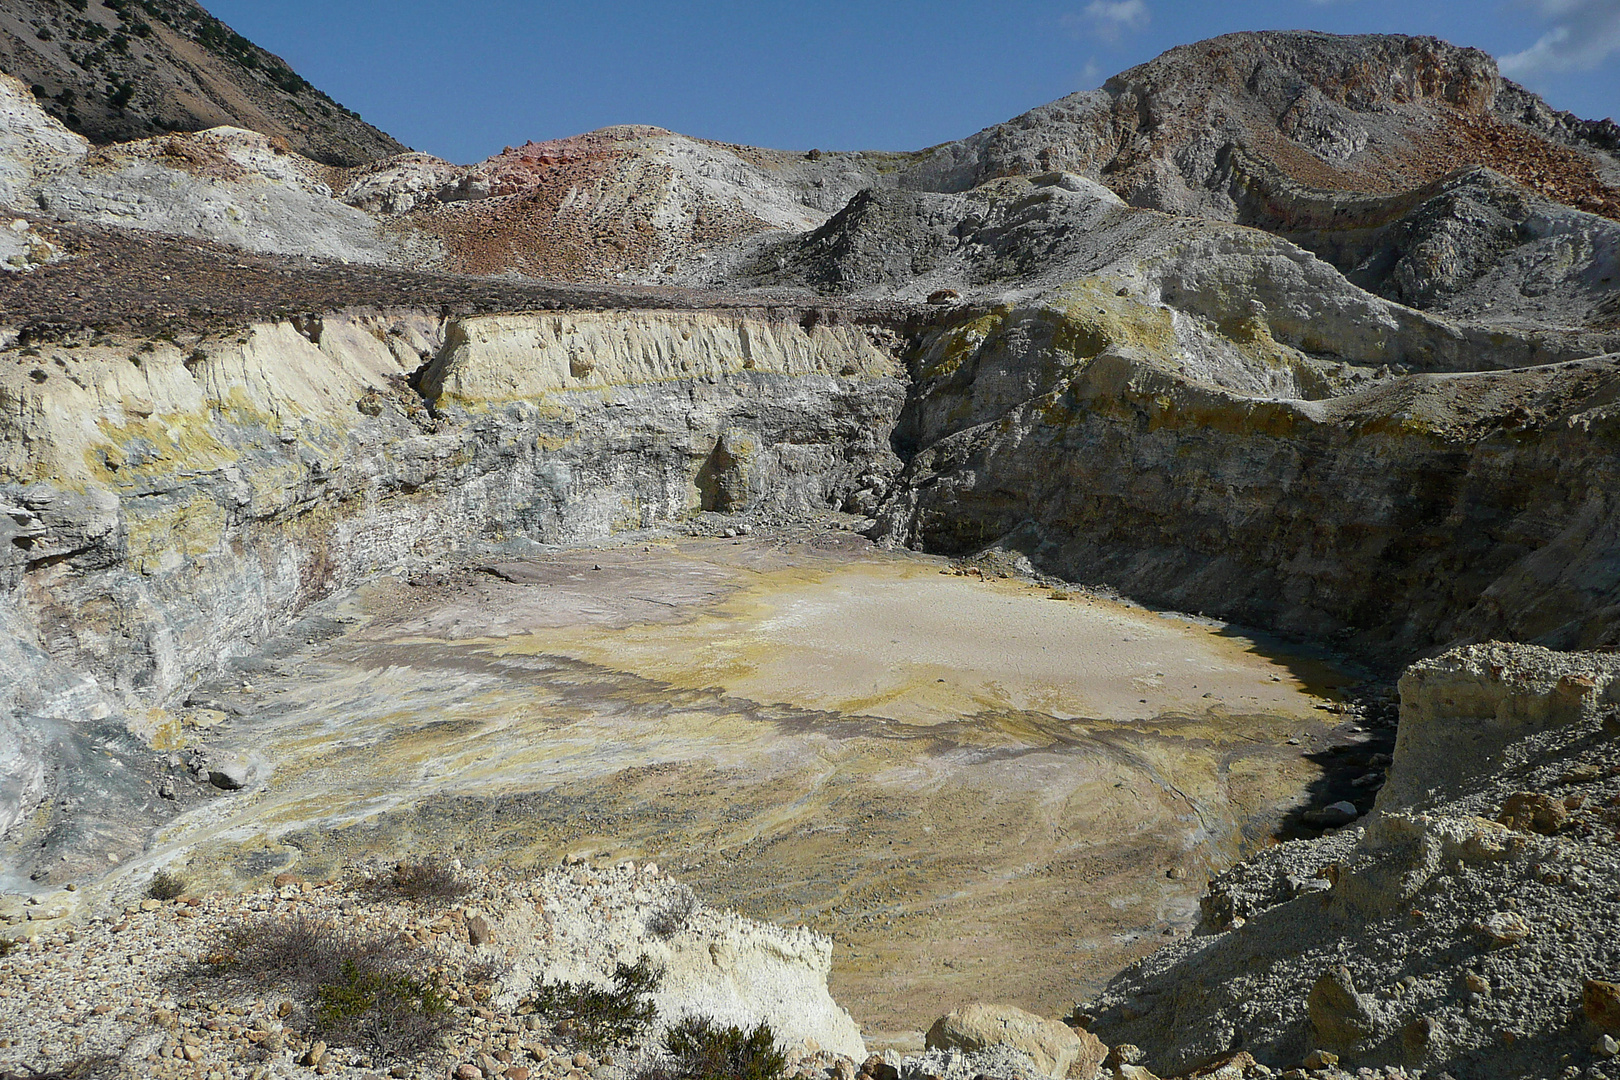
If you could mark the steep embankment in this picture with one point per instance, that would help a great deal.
(166, 507)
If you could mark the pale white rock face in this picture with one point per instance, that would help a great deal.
(402, 184)
(715, 964)
(33, 145)
(227, 185)
(498, 358)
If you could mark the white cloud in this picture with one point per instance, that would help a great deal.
(1583, 34)
(1108, 19)
(1091, 73)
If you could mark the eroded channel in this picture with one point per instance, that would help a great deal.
(981, 788)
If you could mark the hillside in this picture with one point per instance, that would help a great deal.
(127, 69)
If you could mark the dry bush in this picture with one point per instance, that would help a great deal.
(428, 882)
(166, 886)
(671, 919)
(361, 990)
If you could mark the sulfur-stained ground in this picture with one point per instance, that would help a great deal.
(982, 788)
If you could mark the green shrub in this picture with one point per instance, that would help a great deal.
(166, 886)
(598, 1018)
(391, 1016)
(703, 1050)
(362, 989)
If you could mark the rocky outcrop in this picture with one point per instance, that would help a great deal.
(714, 964)
(226, 184)
(1451, 922)
(168, 65)
(1461, 711)
(1054, 1048)
(167, 508)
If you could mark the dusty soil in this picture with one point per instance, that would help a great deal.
(979, 790)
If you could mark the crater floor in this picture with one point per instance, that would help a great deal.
(983, 788)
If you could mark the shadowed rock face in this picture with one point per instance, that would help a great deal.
(127, 70)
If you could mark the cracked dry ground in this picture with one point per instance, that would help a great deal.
(980, 788)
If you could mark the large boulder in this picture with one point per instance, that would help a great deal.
(1052, 1045)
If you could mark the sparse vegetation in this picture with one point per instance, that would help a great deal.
(361, 990)
(596, 1017)
(428, 882)
(700, 1049)
(670, 919)
(389, 1015)
(166, 886)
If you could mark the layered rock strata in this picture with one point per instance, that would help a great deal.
(168, 508)
(1400, 512)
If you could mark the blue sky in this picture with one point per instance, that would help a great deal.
(463, 79)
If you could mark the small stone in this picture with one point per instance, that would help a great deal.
(191, 1053)
(286, 880)
(315, 1055)
(1476, 983)
(1503, 927)
(284, 1009)
(581, 1060)
(469, 1072)
(151, 905)
(478, 930)
(233, 775)
(1339, 1015)
(1321, 1059)
(517, 1072)
(1611, 722)
(1530, 811)
(1124, 1054)
(1415, 1035)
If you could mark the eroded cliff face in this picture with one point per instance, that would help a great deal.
(1344, 500)
(167, 507)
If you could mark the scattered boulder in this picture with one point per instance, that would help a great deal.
(478, 930)
(1088, 1063)
(1052, 1045)
(1503, 928)
(1331, 817)
(232, 775)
